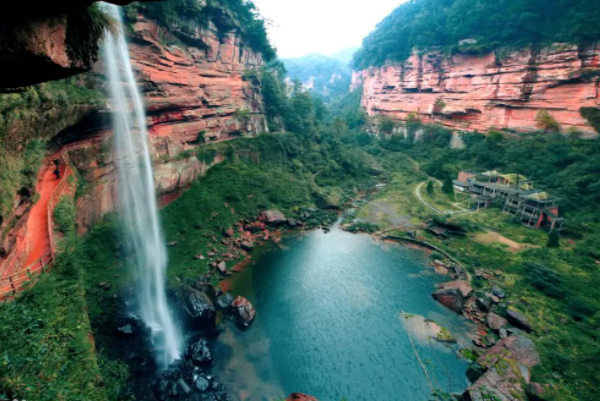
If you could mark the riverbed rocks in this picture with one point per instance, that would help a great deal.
(195, 305)
(184, 381)
(224, 302)
(507, 370)
(518, 320)
(198, 353)
(244, 312)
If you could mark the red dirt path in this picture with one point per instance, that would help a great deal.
(38, 240)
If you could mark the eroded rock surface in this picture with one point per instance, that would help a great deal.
(469, 92)
(244, 311)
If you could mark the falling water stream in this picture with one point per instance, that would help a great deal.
(137, 195)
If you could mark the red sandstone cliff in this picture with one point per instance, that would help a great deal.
(486, 92)
(193, 86)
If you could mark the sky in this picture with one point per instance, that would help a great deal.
(302, 27)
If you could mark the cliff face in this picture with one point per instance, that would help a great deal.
(470, 93)
(194, 89)
(195, 92)
(46, 40)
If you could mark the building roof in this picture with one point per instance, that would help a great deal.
(460, 183)
(513, 178)
(538, 196)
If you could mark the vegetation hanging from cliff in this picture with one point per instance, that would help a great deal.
(227, 15)
(490, 24)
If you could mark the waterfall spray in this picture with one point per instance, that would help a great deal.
(137, 195)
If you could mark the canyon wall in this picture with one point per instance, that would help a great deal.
(198, 87)
(467, 93)
(195, 92)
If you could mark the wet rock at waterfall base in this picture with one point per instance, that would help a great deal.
(244, 312)
(198, 353)
(184, 381)
(224, 301)
(194, 305)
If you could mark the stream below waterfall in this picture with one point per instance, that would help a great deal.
(328, 324)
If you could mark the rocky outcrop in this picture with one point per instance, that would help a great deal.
(244, 312)
(195, 93)
(452, 298)
(467, 92)
(507, 370)
(46, 40)
(195, 306)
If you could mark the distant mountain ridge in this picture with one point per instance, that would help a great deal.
(324, 75)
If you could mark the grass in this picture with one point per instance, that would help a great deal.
(46, 350)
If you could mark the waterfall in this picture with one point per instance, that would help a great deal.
(137, 196)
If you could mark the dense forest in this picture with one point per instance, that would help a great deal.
(493, 24)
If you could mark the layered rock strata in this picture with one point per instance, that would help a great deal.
(468, 93)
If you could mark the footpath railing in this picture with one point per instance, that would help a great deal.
(11, 285)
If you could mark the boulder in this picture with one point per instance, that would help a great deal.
(497, 291)
(228, 232)
(483, 304)
(199, 353)
(184, 381)
(222, 266)
(496, 322)
(300, 397)
(463, 286)
(291, 223)
(536, 392)
(518, 320)
(126, 329)
(195, 304)
(247, 246)
(273, 217)
(224, 301)
(503, 333)
(244, 312)
(451, 298)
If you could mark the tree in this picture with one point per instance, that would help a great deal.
(553, 239)
(429, 187)
(546, 122)
(447, 186)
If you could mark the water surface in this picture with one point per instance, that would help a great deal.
(328, 324)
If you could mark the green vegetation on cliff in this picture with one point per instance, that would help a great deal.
(491, 24)
(227, 15)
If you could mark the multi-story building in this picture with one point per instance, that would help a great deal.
(515, 194)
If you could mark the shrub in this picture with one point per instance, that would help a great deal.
(553, 239)
(546, 122)
(448, 187)
(64, 216)
(592, 115)
(544, 279)
(430, 187)
(385, 124)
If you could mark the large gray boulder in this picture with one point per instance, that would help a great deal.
(273, 217)
(195, 304)
(518, 320)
